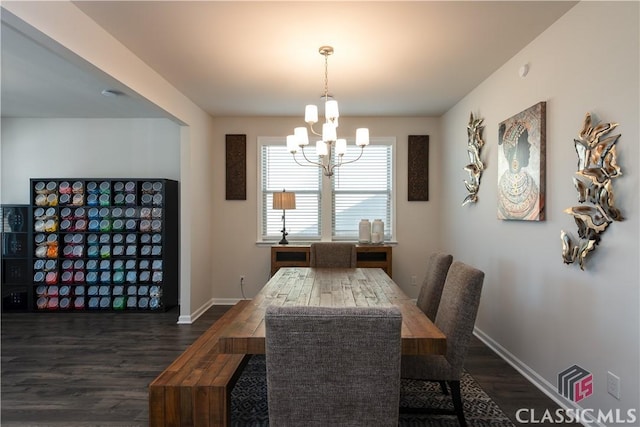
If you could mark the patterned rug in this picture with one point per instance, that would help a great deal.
(249, 401)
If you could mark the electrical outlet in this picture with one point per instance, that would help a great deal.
(414, 280)
(241, 279)
(613, 385)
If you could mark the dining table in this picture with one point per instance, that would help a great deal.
(331, 287)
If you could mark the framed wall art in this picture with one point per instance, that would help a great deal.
(236, 167)
(418, 168)
(521, 165)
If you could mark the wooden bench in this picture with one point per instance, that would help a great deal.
(195, 390)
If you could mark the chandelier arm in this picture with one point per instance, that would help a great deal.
(305, 157)
(328, 170)
(313, 131)
(354, 160)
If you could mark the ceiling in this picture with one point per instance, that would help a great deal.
(243, 58)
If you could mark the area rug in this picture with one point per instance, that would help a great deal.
(249, 401)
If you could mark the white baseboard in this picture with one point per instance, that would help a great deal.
(532, 376)
(189, 319)
(226, 301)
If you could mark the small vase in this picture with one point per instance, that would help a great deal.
(364, 231)
(377, 231)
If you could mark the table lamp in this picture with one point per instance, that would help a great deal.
(284, 200)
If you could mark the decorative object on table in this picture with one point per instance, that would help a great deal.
(284, 200)
(377, 231)
(300, 139)
(475, 167)
(418, 168)
(364, 231)
(236, 166)
(521, 165)
(597, 167)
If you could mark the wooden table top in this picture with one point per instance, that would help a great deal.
(331, 287)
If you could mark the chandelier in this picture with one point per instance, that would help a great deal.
(330, 141)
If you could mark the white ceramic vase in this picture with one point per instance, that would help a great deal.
(364, 231)
(377, 231)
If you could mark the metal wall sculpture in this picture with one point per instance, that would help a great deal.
(475, 167)
(597, 167)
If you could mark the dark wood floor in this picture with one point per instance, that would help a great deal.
(93, 369)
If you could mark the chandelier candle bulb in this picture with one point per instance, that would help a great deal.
(311, 114)
(331, 110)
(302, 136)
(362, 137)
(292, 144)
(341, 147)
(321, 148)
(329, 132)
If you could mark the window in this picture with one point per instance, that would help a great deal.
(327, 209)
(362, 190)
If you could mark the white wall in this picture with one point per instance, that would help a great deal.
(235, 222)
(85, 148)
(544, 314)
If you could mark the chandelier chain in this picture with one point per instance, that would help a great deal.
(326, 76)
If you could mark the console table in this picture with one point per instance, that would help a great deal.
(368, 256)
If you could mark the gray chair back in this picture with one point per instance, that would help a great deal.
(458, 309)
(456, 317)
(332, 255)
(333, 366)
(431, 290)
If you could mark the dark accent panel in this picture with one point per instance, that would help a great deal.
(291, 256)
(372, 256)
(418, 168)
(236, 174)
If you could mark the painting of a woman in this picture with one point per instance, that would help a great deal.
(521, 183)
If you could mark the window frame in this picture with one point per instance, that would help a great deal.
(325, 195)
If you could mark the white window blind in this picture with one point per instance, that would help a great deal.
(363, 190)
(280, 172)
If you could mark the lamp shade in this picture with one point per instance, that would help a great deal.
(284, 200)
(292, 144)
(362, 137)
(329, 132)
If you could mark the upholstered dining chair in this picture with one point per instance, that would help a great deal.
(456, 318)
(333, 366)
(431, 291)
(332, 255)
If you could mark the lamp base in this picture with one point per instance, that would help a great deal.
(284, 238)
